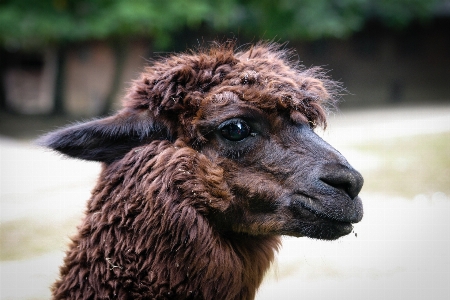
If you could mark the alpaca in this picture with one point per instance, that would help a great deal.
(211, 159)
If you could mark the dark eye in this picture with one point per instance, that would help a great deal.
(234, 130)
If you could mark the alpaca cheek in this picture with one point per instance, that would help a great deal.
(210, 184)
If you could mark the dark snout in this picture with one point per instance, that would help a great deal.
(342, 178)
(332, 204)
(338, 186)
(325, 188)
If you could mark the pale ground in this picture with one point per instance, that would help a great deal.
(401, 250)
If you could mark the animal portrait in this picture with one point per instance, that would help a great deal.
(211, 159)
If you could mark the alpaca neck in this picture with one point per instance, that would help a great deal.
(146, 235)
(195, 263)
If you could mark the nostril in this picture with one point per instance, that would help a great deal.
(343, 186)
(345, 179)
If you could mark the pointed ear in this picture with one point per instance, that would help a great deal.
(108, 139)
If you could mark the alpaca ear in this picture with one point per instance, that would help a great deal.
(107, 139)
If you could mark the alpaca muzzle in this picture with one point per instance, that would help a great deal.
(342, 178)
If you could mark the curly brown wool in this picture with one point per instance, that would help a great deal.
(212, 158)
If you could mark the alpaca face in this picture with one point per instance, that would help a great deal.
(251, 115)
(284, 178)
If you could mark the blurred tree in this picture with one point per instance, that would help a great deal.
(315, 19)
(31, 24)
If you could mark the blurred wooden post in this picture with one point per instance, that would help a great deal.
(120, 52)
(58, 99)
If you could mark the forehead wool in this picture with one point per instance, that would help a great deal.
(263, 76)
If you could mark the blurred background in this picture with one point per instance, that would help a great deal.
(67, 60)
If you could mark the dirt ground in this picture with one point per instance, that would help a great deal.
(401, 249)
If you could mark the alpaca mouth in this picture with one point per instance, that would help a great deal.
(314, 223)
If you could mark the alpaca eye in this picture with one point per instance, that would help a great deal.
(234, 130)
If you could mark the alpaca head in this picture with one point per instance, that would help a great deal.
(251, 116)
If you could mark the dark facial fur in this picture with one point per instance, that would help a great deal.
(212, 158)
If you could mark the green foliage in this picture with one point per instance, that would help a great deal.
(305, 18)
(31, 23)
(313, 19)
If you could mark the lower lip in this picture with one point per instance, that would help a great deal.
(343, 227)
(336, 228)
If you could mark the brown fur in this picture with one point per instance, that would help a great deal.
(135, 246)
(179, 211)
